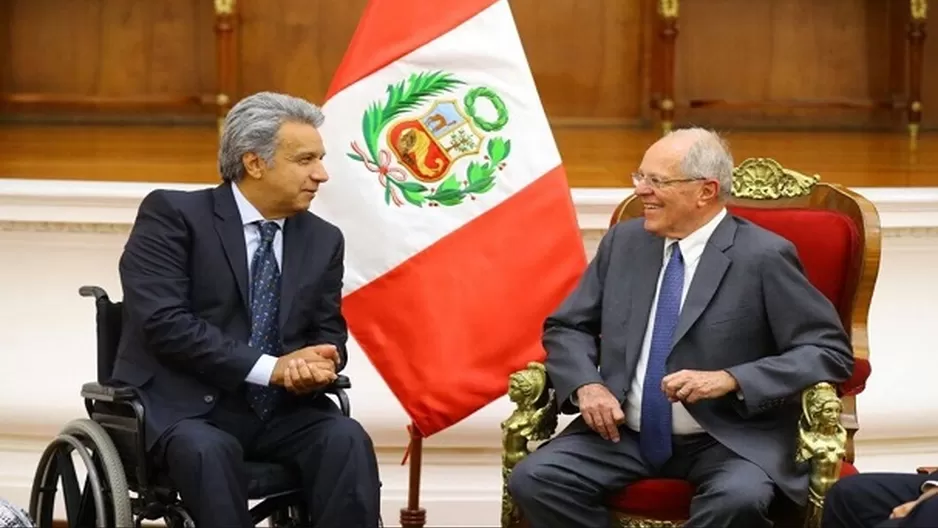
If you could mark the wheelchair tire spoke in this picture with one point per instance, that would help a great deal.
(103, 501)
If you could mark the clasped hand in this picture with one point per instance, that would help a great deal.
(602, 412)
(307, 369)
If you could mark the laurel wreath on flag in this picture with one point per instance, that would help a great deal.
(410, 95)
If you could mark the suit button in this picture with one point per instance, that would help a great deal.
(208, 398)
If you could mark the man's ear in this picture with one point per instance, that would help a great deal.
(709, 191)
(254, 166)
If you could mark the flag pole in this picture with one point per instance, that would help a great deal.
(413, 516)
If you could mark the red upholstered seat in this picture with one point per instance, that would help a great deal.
(827, 242)
(667, 499)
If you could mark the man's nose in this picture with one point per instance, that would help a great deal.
(643, 189)
(320, 175)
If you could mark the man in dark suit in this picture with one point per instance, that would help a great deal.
(703, 327)
(882, 500)
(233, 326)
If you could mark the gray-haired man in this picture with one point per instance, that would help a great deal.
(233, 325)
(681, 347)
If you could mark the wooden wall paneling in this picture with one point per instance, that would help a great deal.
(6, 27)
(295, 46)
(587, 58)
(126, 56)
(782, 63)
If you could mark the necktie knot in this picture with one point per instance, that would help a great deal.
(676, 252)
(268, 231)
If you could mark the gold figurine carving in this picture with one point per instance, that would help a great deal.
(766, 179)
(534, 419)
(224, 7)
(822, 442)
(919, 9)
(668, 8)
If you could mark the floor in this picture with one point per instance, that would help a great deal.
(594, 157)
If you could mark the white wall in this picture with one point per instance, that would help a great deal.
(57, 236)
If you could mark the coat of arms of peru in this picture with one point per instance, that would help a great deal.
(444, 147)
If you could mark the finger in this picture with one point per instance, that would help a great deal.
(588, 418)
(593, 420)
(612, 429)
(306, 375)
(674, 376)
(600, 424)
(288, 377)
(323, 376)
(671, 389)
(618, 416)
(687, 390)
(671, 384)
(327, 351)
(694, 395)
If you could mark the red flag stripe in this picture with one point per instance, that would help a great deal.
(420, 323)
(390, 29)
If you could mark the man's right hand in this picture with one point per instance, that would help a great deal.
(600, 410)
(312, 367)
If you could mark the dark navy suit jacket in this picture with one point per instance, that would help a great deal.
(185, 286)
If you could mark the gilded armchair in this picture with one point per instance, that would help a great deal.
(837, 235)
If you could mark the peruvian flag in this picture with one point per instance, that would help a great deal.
(461, 235)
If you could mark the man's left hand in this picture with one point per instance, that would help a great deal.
(690, 386)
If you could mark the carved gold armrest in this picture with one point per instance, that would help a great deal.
(534, 419)
(822, 443)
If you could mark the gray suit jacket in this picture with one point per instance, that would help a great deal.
(749, 310)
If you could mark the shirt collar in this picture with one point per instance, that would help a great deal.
(249, 213)
(692, 245)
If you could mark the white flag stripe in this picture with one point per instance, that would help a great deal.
(484, 51)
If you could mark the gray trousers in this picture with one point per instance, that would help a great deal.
(564, 483)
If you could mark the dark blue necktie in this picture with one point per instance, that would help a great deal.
(265, 315)
(655, 434)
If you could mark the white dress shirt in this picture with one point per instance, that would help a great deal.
(264, 368)
(692, 247)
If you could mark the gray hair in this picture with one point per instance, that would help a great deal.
(252, 126)
(708, 157)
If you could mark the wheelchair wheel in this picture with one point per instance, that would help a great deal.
(105, 499)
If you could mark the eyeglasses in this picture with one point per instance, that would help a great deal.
(656, 182)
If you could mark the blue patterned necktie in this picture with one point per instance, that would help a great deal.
(265, 314)
(655, 434)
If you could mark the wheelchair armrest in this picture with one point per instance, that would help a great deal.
(107, 393)
(337, 388)
(341, 382)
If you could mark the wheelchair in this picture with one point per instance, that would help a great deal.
(121, 488)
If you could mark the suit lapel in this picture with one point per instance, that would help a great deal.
(710, 270)
(647, 267)
(230, 230)
(296, 242)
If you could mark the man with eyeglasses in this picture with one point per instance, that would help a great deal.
(703, 327)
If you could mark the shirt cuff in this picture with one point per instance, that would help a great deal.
(262, 371)
(929, 484)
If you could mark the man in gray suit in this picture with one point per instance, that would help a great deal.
(704, 330)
